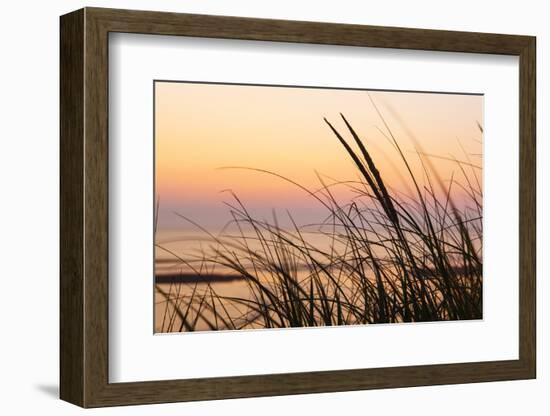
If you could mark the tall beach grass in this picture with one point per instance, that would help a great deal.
(388, 257)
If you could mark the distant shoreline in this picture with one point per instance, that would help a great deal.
(196, 278)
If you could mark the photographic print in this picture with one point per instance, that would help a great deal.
(291, 206)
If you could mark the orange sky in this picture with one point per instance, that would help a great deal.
(200, 128)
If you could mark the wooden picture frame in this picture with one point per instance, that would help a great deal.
(84, 207)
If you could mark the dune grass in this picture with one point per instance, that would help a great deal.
(390, 257)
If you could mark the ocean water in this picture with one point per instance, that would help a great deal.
(191, 263)
(188, 261)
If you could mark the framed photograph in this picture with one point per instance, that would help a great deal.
(255, 207)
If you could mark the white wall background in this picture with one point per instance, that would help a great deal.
(29, 84)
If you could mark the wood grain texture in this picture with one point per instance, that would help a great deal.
(71, 208)
(84, 207)
(527, 208)
(96, 208)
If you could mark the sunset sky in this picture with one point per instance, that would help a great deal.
(200, 128)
